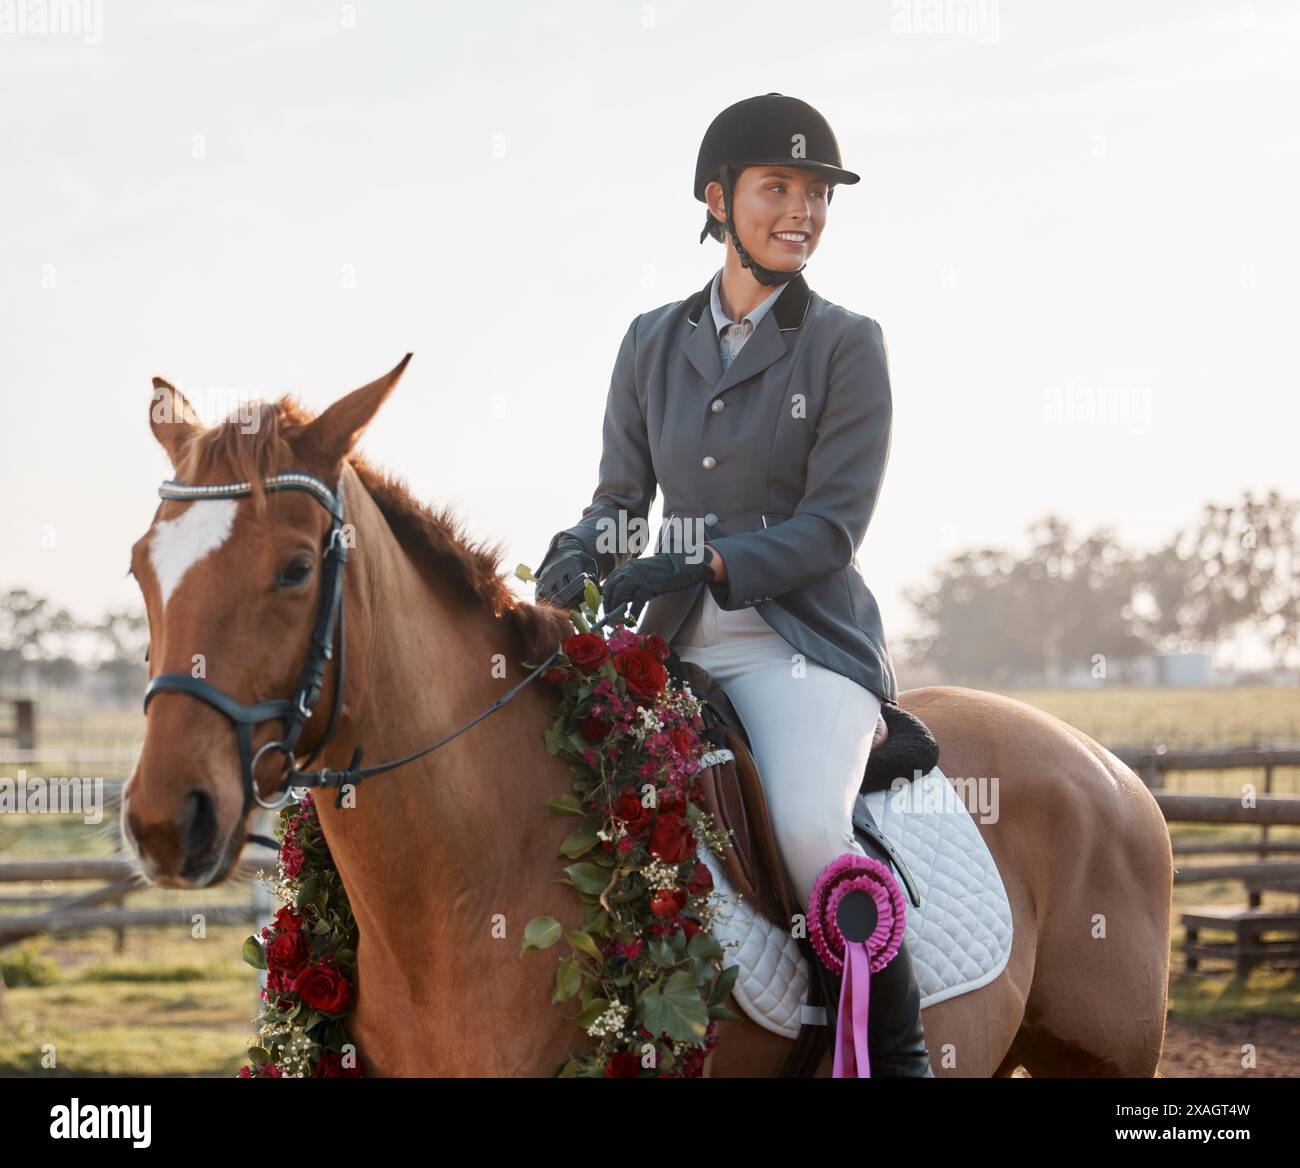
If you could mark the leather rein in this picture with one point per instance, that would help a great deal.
(295, 712)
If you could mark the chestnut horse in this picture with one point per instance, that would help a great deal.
(446, 859)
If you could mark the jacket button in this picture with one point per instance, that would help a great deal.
(709, 462)
(710, 520)
(718, 405)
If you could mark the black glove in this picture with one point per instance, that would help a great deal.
(562, 579)
(640, 581)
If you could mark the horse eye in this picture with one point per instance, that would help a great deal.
(295, 573)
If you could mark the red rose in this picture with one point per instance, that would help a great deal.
(667, 902)
(624, 1065)
(553, 676)
(645, 675)
(654, 643)
(287, 919)
(280, 984)
(684, 741)
(594, 730)
(690, 926)
(323, 988)
(701, 880)
(288, 953)
(671, 840)
(630, 810)
(587, 651)
(330, 1066)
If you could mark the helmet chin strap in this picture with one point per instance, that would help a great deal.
(767, 276)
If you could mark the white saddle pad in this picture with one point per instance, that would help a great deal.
(959, 939)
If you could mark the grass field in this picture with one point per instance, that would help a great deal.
(172, 1005)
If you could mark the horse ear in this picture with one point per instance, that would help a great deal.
(333, 434)
(173, 420)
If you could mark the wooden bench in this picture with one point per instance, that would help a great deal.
(1248, 948)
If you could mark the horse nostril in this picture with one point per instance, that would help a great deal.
(201, 827)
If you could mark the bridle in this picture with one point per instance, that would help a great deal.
(294, 713)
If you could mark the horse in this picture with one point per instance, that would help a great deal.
(447, 859)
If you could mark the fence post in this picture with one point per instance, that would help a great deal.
(25, 723)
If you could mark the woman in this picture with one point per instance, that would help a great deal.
(763, 412)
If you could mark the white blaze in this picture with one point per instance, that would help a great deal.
(178, 544)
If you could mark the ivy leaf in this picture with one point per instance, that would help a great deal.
(704, 945)
(661, 953)
(582, 942)
(588, 878)
(676, 1010)
(563, 805)
(568, 980)
(540, 933)
(724, 1013)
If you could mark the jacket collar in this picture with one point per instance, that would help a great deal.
(766, 345)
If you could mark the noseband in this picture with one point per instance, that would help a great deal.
(294, 713)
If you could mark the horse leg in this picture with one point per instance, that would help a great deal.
(1099, 999)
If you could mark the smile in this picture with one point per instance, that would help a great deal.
(794, 238)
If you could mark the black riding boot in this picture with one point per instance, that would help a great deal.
(895, 1036)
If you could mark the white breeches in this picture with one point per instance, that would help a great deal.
(810, 730)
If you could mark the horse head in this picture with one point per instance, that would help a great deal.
(233, 586)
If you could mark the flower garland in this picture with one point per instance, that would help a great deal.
(309, 954)
(652, 988)
(645, 968)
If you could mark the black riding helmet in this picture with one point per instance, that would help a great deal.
(766, 131)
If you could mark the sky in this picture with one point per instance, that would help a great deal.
(1076, 226)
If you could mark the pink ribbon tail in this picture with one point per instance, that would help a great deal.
(851, 1022)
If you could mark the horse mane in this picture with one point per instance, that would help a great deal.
(438, 539)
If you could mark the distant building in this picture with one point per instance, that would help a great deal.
(1187, 669)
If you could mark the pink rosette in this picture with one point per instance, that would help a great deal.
(855, 960)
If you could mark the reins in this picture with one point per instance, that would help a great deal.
(295, 712)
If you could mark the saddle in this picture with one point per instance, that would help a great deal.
(732, 793)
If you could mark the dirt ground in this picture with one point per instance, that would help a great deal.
(1214, 1048)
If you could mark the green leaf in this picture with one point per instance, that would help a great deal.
(583, 943)
(676, 1010)
(661, 953)
(524, 572)
(568, 980)
(579, 842)
(592, 1012)
(704, 945)
(541, 933)
(724, 985)
(555, 739)
(724, 1013)
(591, 595)
(588, 878)
(563, 805)
(253, 953)
(570, 1069)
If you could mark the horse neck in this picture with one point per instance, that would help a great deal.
(436, 840)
